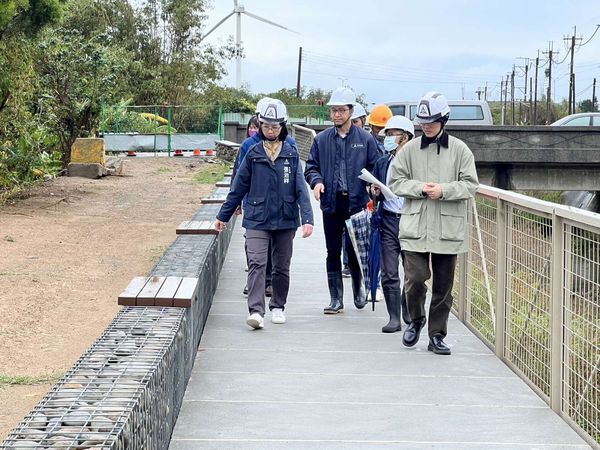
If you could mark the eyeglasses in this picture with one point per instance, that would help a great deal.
(335, 111)
(271, 127)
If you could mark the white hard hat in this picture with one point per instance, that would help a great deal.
(342, 96)
(273, 111)
(359, 111)
(399, 123)
(261, 102)
(431, 107)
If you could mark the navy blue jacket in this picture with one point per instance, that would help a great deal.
(380, 172)
(249, 142)
(361, 153)
(276, 191)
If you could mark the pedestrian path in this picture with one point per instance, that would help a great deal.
(337, 382)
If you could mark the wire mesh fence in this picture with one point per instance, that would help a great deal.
(155, 128)
(533, 274)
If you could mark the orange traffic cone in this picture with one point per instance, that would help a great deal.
(178, 152)
(197, 152)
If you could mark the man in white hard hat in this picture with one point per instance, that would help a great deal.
(359, 116)
(436, 175)
(337, 156)
(397, 131)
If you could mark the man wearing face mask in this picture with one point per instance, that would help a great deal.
(397, 131)
(379, 116)
(436, 175)
(337, 156)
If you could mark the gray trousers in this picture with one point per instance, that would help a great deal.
(416, 272)
(281, 255)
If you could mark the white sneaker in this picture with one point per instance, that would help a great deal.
(380, 296)
(256, 321)
(277, 316)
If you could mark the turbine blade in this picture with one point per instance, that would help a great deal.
(254, 16)
(217, 25)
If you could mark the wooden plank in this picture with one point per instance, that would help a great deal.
(185, 294)
(213, 200)
(223, 184)
(228, 174)
(199, 227)
(148, 293)
(164, 296)
(128, 296)
(183, 227)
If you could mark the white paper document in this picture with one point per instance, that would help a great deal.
(369, 178)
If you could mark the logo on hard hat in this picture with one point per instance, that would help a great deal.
(423, 110)
(271, 112)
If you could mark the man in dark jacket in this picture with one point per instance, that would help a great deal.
(337, 156)
(271, 177)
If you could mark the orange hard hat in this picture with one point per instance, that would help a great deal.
(379, 116)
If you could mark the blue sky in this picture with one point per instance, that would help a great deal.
(397, 50)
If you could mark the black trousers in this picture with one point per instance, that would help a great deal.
(333, 227)
(390, 251)
(416, 272)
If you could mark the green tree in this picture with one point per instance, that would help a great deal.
(587, 105)
(77, 76)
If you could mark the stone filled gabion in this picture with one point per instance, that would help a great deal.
(126, 390)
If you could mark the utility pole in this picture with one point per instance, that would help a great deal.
(485, 92)
(537, 63)
(479, 91)
(594, 96)
(502, 102)
(549, 92)
(299, 72)
(571, 73)
(523, 104)
(512, 96)
(530, 99)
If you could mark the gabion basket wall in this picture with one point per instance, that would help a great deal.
(126, 390)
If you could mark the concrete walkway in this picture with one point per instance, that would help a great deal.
(337, 382)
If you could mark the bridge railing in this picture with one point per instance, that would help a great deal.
(530, 289)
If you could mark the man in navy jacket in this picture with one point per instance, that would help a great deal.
(337, 156)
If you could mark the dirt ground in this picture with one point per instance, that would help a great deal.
(66, 252)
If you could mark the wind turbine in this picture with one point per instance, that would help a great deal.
(238, 10)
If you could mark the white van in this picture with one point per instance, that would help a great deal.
(462, 112)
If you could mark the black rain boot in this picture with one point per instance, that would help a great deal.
(358, 290)
(392, 301)
(336, 292)
(405, 313)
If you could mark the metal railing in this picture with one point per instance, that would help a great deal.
(529, 287)
(304, 138)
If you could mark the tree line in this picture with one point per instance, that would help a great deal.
(61, 61)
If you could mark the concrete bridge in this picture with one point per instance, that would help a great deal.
(521, 157)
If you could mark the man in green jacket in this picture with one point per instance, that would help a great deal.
(436, 175)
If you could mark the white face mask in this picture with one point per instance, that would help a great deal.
(390, 144)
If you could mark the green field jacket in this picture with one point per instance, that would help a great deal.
(436, 226)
